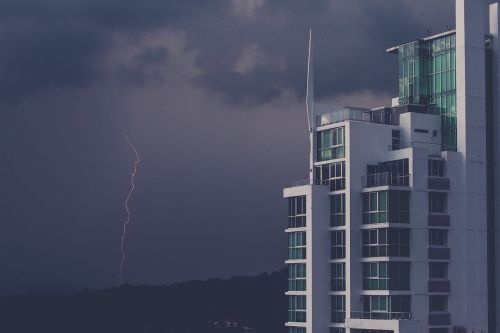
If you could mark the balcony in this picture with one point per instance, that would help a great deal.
(297, 183)
(438, 183)
(381, 315)
(439, 319)
(337, 115)
(433, 149)
(438, 220)
(305, 182)
(385, 179)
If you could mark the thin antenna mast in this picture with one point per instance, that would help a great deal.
(310, 83)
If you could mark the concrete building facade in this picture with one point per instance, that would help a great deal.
(394, 231)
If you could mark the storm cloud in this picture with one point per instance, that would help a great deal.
(247, 50)
(212, 94)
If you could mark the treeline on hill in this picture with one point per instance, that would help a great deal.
(241, 304)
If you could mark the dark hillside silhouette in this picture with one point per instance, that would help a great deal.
(241, 304)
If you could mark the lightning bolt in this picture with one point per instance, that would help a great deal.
(129, 195)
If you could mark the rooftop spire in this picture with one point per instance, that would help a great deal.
(310, 83)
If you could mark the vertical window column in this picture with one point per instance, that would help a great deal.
(437, 202)
(297, 245)
(338, 244)
(297, 212)
(337, 210)
(297, 309)
(297, 277)
(337, 276)
(330, 144)
(332, 174)
(338, 309)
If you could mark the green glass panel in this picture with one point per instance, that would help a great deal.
(383, 303)
(380, 285)
(373, 201)
(326, 139)
(383, 201)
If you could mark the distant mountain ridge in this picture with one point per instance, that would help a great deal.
(254, 304)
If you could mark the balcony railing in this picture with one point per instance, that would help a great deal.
(439, 319)
(381, 315)
(438, 183)
(434, 149)
(385, 178)
(333, 184)
(304, 182)
(337, 115)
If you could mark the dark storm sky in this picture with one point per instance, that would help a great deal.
(212, 94)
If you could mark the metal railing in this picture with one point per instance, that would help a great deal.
(298, 183)
(432, 148)
(438, 183)
(304, 182)
(385, 178)
(357, 114)
(381, 315)
(343, 114)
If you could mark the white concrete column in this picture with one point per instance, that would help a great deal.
(470, 302)
(494, 30)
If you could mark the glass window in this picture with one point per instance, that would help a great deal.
(338, 309)
(436, 168)
(297, 309)
(394, 307)
(337, 210)
(297, 245)
(438, 237)
(297, 277)
(330, 144)
(438, 270)
(386, 207)
(386, 242)
(438, 303)
(437, 202)
(292, 329)
(338, 244)
(386, 276)
(331, 174)
(337, 274)
(297, 212)
(375, 207)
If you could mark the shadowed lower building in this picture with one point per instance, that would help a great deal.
(394, 231)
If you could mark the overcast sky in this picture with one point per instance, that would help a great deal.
(212, 94)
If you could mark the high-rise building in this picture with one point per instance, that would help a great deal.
(394, 231)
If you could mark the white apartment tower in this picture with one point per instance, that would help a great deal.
(394, 231)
